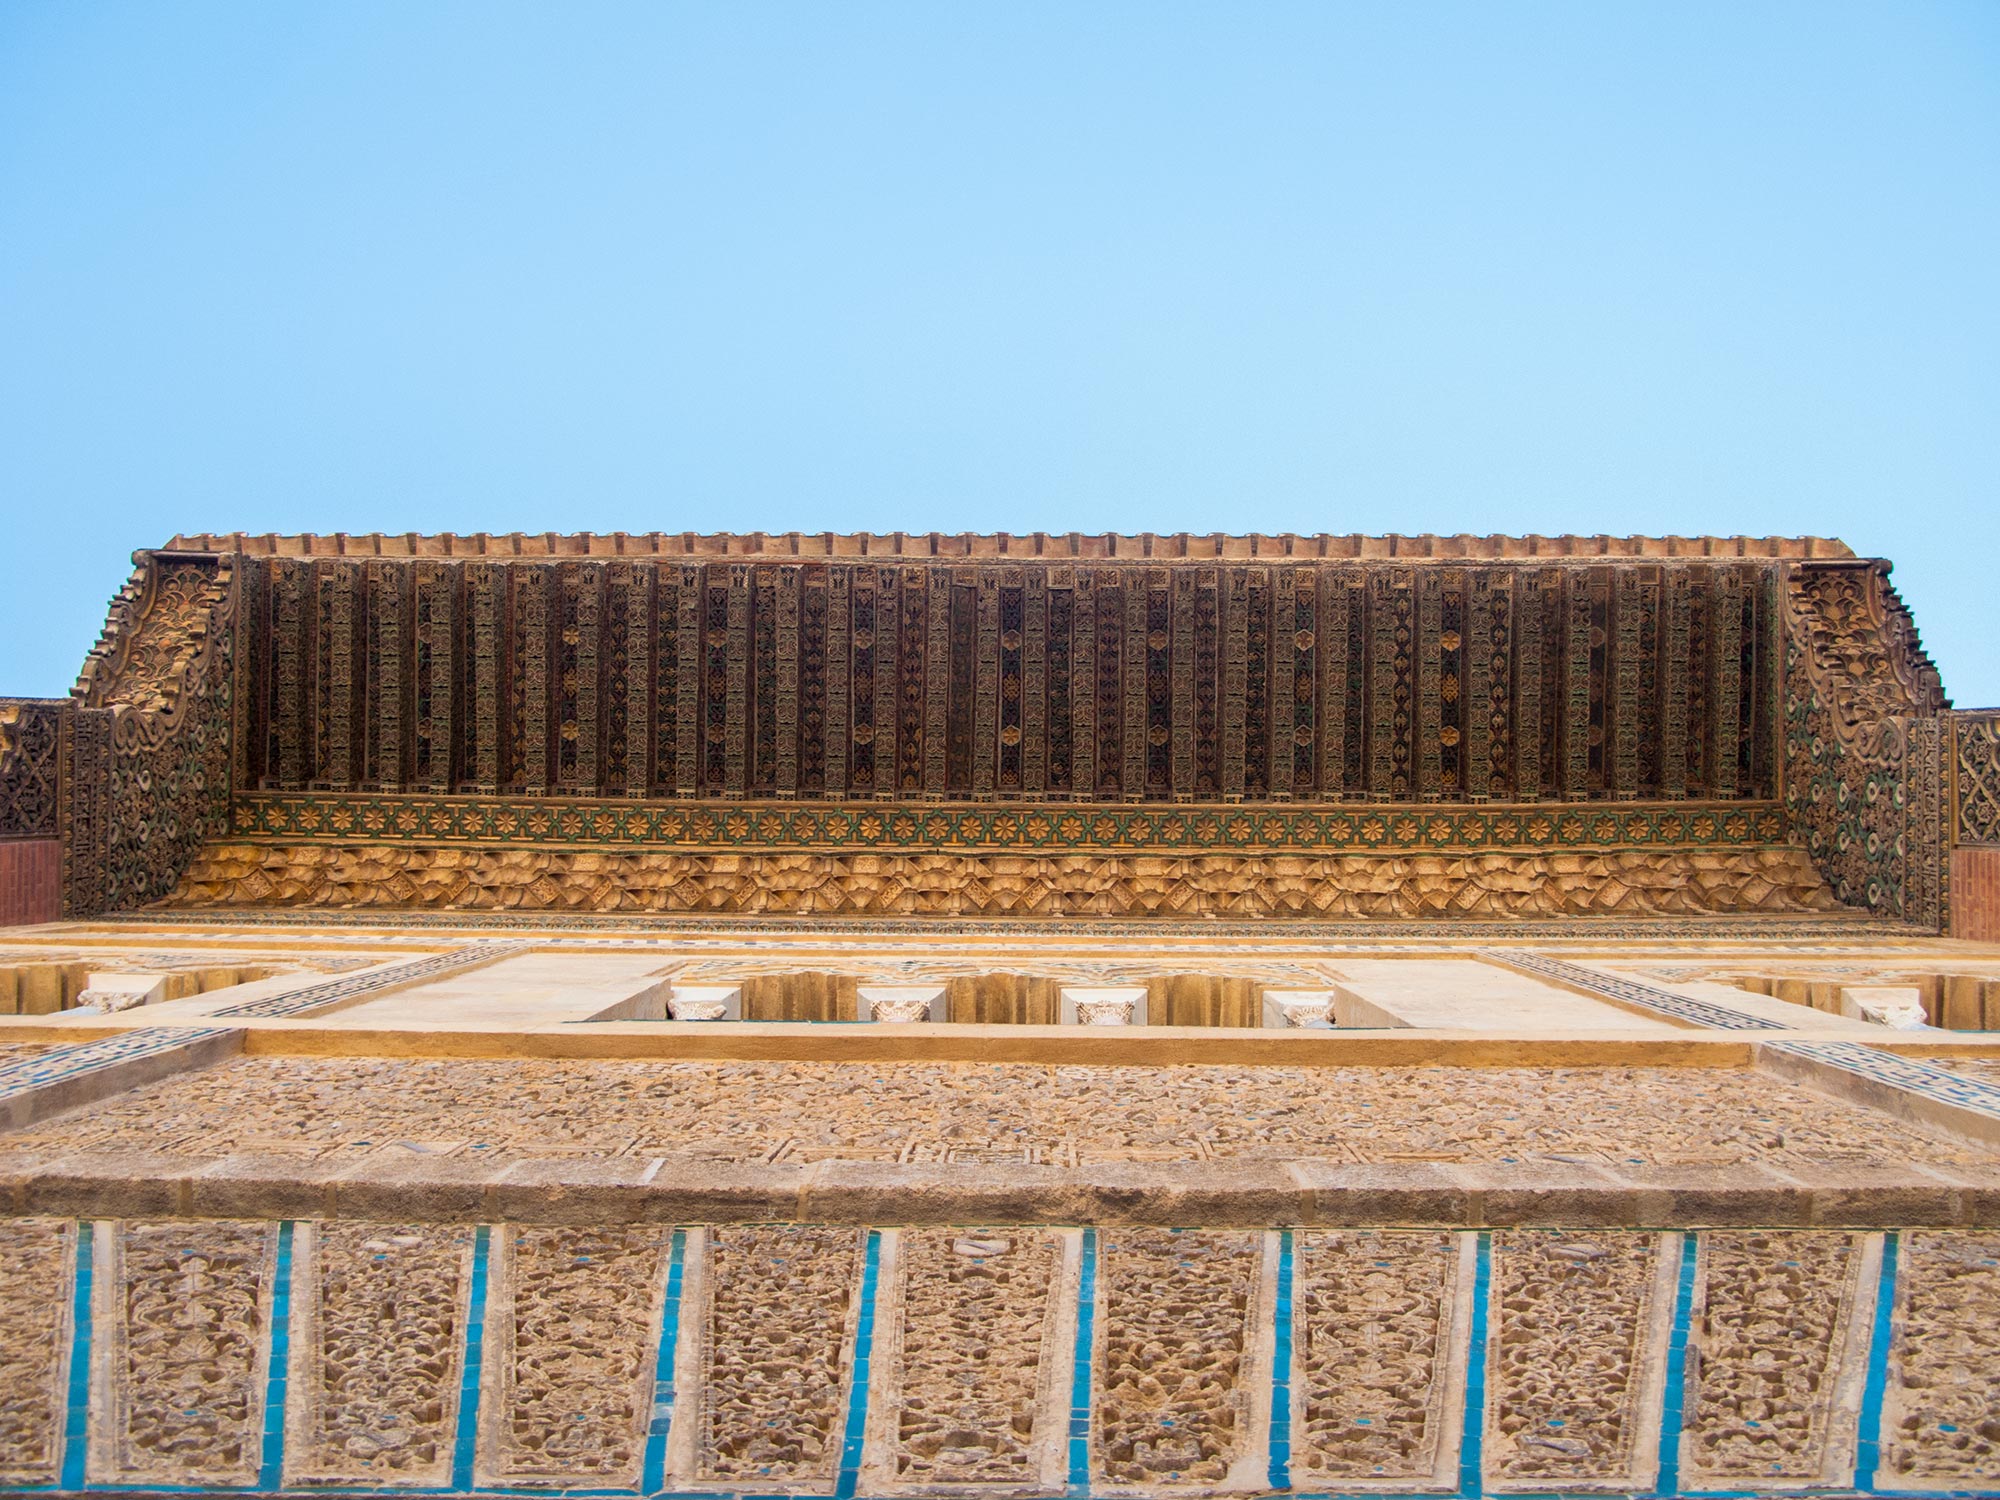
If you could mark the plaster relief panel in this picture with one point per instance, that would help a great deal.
(1778, 1353)
(1941, 1411)
(1576, 1357)
(37, 1261)
(572, 1331)
(1380, 1325)
(776, 1309)
(972, 1372)
(1182, 1398)
(377, 1337)
(181, 1320)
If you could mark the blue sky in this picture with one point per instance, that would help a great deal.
(1690, 267)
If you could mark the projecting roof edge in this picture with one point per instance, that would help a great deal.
(968, 546)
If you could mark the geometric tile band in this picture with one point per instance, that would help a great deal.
(348, 987)
(71, 1061)
(1630, 992)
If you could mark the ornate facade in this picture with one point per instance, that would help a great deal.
(992, 1017)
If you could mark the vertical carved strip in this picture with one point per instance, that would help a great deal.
(1257, 689)
(1083, 686)
(1301, 757)
(487, 583)
(1034, 682)
(889, 654)
(1479, 658)
(579, 655)
(1674, 684)
(1284, 666)
(789, 584)
(736, 701)
(937, 679)
(1500, 682)
(386, 621)
(437, 598)
(1235, 678)
(1159, 684)
(839, 662)
(1132, 682)
(1110, 588)
(687, 680)
(1381, 667)
(637, 587)
(339, 583)
(1942, 1406)
(293, 579)
(762, 725)
(1528, 708)
(1335, 594)
(1576, 684)
(533, 584)
(1625, 616)
(1183, 669)
(986, 683)
(1429, 720)
(1207, 673)
(1726, 672)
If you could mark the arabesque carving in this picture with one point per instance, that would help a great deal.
(1174, 1316)
(1774, 1371)
(185, 1315)
(781, 1305)
(570, 1351)
(378, 1328)
(1941, 1413)
(1612, 884)
(36, 1256)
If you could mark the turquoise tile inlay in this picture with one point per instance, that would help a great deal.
(1079, 1383)
(661, 1423)
(271, 1468)
(1674, 1403)
(857, 1394)
(76, 1420)
(1281, 1371)
(1472, 1431)
(1868, 1447)
(468, 1392)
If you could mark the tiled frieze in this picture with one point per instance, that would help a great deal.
(572, 1325)
(972, 1386)
(1941, 1411)
(1778, 1354)
(778, 1309)
(1580, 1324)
(1380, 1326)
(1177, 1361)
(182, 1325)
(37, 1260)
(377, 1339)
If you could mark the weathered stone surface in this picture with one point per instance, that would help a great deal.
(1941, 1412)
(37, 1257)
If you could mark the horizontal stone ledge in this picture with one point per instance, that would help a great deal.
(1234, 1194)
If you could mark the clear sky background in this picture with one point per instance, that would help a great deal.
(1688, 267)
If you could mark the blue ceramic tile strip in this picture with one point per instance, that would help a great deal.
(857, 1393)
(655, 1472)
(76, 1420)
(1674, 1404)
(1631, 992)
(1473, 1427)
(1907, 1073)
(352, 986)
(467, 1436)
(62, 1063)
(1868, 1444)
(271, 1469)
(1281, 1371)
(1079, 1380)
